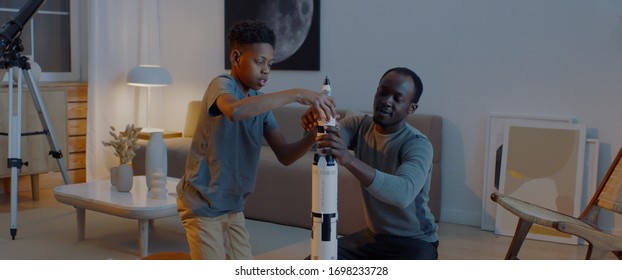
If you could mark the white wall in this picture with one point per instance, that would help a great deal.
(541, 57)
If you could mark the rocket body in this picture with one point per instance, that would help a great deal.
(324, 208)
(324, 199)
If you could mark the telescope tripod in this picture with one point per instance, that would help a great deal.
(13, 60)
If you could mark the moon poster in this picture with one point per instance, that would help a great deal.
(296, 24)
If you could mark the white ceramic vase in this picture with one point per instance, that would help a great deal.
(158, 185)
(122, 177)
(155, 158)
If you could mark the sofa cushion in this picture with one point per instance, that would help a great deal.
(289, 120)
(177, 150)
(283, 193)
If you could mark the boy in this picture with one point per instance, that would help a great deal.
(393, 162)
(222, 164)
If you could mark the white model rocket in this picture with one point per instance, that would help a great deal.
(324, 197)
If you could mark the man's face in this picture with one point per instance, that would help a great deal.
(253, 65)
(393, 102)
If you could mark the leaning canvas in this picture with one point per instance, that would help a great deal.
(543, 164)
(492, 164)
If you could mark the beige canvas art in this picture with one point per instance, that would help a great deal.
(543, 164)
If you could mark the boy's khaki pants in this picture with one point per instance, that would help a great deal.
(216, 238)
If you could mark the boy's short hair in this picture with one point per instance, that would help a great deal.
(248, 32)
(411, 74)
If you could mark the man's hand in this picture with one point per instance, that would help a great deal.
(332, 144)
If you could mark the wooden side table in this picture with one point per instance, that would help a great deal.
(165, 135)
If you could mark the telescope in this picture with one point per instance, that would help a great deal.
(12, 60)
(13, 28)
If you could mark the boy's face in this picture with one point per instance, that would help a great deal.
(251, 65)
(393, 102)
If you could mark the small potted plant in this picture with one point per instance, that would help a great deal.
(124, 144)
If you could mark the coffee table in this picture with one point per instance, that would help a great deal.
(101, 196)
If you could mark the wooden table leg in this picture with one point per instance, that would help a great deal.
(34, 185)
(81, 218)
(143, 238)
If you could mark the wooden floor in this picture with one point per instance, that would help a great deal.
(457, 242)
(460, 242)
(25, 197)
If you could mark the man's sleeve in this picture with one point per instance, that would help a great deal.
(411, 176)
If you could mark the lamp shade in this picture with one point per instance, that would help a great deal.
(149, 76)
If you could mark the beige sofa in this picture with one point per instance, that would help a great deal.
(283, 193)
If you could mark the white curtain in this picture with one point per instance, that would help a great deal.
(122, 34)
(149, 53)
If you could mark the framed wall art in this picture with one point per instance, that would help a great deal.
(296, 24)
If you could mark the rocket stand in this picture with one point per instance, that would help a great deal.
(13, 59)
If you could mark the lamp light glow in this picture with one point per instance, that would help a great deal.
(149, 76)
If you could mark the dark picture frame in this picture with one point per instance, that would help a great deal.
(289, 19)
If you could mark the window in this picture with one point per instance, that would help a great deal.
(50, 38)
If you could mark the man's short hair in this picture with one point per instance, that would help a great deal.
(414, 76)
(248, 32)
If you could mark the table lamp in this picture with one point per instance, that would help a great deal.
(149, 76)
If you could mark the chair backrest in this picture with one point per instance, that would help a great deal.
(192, 116)
(610, 196)
(609, 193)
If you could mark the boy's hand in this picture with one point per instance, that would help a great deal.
(324, 105)
(310, 119)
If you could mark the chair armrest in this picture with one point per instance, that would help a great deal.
(531, 212)
(603, 242)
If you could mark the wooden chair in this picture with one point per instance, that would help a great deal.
(608, 196)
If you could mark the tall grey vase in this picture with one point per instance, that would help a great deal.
(155, 158)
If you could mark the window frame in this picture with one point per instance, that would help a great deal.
(74, 38)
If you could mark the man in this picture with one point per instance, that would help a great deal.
(393, 162)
